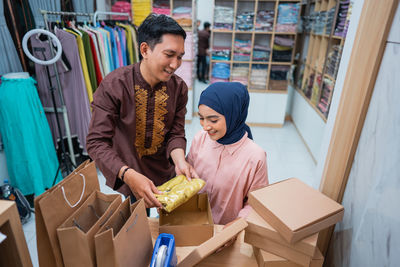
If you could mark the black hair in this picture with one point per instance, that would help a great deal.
(155, 26)
(206, 25)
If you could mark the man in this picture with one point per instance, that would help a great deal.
(137, 126)
(202, 47)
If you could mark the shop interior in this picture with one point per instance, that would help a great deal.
(321, 76)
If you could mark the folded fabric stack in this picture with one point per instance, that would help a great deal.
(315, 90)
(221, 53)
(141, 9)
(161, 7)
(279, 72)
(329, 20)
(326, 92)
(282, 50)
(342, 22)
(333, 60)
(185, 71)
(189, 46)
(287, 17)
(244, 21)
(278, 77)
(183, 15)
(265, 20)
(308, 85)
(261, 53)
(319, 22)
(240, 73)
(220, 72)
(223, 18)
(242, 50)
(258, 76)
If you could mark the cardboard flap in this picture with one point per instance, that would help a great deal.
(299, 205)
(213, 243)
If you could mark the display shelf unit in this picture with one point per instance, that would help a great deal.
(319, 48)
(187, 70)
(253, 38)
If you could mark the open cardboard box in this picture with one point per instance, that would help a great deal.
(266, 259)
(211, 245)
(191, 223)
(257, 225)
(295, 209)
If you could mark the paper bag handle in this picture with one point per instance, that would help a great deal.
(133, 224)
(80, 198)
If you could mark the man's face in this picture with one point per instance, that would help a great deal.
(165, 58)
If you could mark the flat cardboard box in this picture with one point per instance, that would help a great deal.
(211, 245)
(191, 223)
(295, 209)
(277, 249)
(239, 254)
(266, 259)
(258, 225)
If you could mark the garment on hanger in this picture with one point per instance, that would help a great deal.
(31, 157)
(9, 62)
(72, 83)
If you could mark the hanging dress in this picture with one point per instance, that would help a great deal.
(31, 157)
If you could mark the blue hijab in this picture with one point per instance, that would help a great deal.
(230, 99)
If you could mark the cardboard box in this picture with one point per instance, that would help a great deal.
(266, 259)
(211, 245)
(277, 249)
(295, 209)
(258, 225)
(191, 223)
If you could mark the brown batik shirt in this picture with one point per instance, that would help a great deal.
(136, 125)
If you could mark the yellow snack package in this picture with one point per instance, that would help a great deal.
(177, 191)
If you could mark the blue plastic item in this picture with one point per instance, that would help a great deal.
(164, 253)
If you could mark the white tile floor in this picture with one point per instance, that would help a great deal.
(287, 156)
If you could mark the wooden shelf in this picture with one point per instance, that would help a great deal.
(310, 103)
(315, 51)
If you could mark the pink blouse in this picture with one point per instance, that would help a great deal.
(230, 171)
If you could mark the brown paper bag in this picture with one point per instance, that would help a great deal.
(76, 234)
(125, 239)
(57, 204)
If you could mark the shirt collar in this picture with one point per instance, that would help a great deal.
(231, 148)
(141, 79)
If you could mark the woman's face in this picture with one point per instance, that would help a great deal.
(212, 122)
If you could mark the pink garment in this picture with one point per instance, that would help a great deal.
(118, 41)
(231, 172)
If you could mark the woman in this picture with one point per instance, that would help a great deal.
(224, 154)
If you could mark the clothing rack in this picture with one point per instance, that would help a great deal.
(108, 13)
(63, 108)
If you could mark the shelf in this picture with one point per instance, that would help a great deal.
(262, 32)
(281, 63)
(338, 37)
(223, 61)
(310, 103)
(286, 33)
(330, 77)
(222, 31)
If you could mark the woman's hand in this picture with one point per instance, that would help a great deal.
(230, 242)
(181, 165)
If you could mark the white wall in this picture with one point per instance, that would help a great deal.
(205, 11)
(369, 234)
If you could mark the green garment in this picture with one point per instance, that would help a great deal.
(31, 157)
(89, 59)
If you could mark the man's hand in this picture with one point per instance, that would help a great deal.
(142, 187)
(181, 165)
